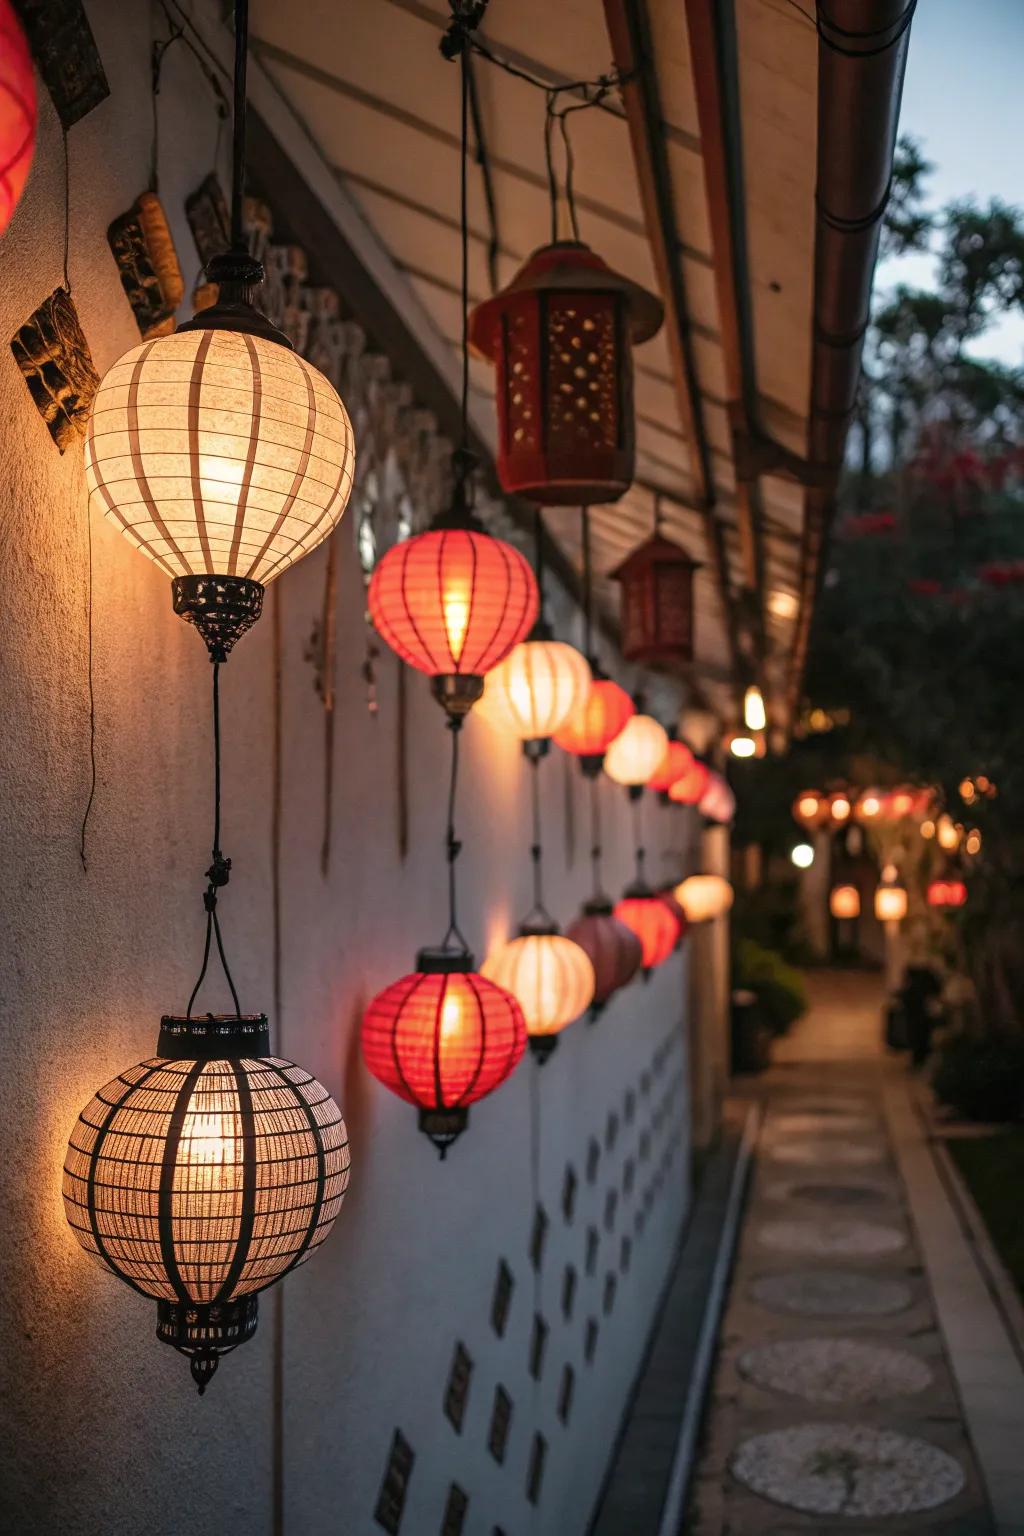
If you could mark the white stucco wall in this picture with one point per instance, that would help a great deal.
(102, 1429)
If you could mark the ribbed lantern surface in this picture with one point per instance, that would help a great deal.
(678, 759)
(690, 787)
(637, 751)
(594, 724)
(204, 1181)
(535, 689)
(703, 897)
(615, 951)
(219, 452)
(452, 601)
(17, 112)
(442, 1041)
(653, 923)
(550, 977)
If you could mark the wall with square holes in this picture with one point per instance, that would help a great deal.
(459, 1354)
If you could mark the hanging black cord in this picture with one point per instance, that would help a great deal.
(595, 832)
(219, 871)
(453, 847)
(464, 240)
(238, 124)
(588, 612)
(638, 838)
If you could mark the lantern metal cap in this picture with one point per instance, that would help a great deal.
(572, 267)
(444, 962)
(457, 692)
(214, 1037)
(540, 927)
(222, 608)
(443, 1126)
(542, 1047)
(599, 905)
(237, 275)
(639, 890)
(205, 1333)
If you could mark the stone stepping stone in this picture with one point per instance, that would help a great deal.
(834, 1371)
(847, 1469)
(830, 1293)
(828, 1194)
(809, 1153)
(817, 1124)
(839, 1237)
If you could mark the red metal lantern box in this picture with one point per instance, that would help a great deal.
(657, 603)
(561, 337)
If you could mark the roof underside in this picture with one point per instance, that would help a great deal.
(382, 106)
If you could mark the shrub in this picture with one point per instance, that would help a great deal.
(980, 1074)
(779, 989)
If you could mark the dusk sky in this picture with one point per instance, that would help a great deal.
(964, 100)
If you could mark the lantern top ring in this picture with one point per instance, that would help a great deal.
(444, 962)
(215, 1037)
(538, 928)
(237, 275)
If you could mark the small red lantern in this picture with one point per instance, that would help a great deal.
(677, 761)
(441, 1038)
(675, 906)
(717, 803)
(947, 893)
(691, 787)
(17, 112)
(561, 337)
(651, 919)
(594, 724)
(614, 949)
(657, 604)
(452, 602)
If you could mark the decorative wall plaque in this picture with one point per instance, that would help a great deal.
(593, 1242)
(393, 1490)
(457, 1390)
(538, 1236)
(568, 1291)
(148, 263)
(590, 1340)
(53, 354)
(538, 1344)
(502, 1298)
(66, 56)
(501, 1422)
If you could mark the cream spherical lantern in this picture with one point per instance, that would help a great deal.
(550, 976)
(637, 752)
(535, 689)
(703, 897)
(844, 902)
(219, 452)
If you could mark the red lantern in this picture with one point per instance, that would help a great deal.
(614, 949)
(594, 724)
(441, 1038)
(677, 761)
(17, 112)
(657, 604)
(675, 906)
(651, 920)
(717, 803)
(947, 893)
(691, 788)
(561, 336)
(452, 602)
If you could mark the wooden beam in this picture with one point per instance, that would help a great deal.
(711, 30)
(629, 33)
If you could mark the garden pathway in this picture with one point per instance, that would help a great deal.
(834, 1407)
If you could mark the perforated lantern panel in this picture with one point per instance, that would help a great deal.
(219, 453)
(199, 1181)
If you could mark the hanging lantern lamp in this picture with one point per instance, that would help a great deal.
(657, 601)
(844, 902)
(593, 725)
(678, 760)
(947, 894)
(718, 803)
(219, 452)
(541, 682)
(704, 897)
(869, 807)
(17, 112)
(614, 950)
(654, 924)
(890, 903)
(636, 752)
(550, 976)
(561, 337)
(811, 808)
(691, 786)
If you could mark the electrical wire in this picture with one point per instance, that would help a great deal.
(452, 846)
(219, 872)
(92, 695)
